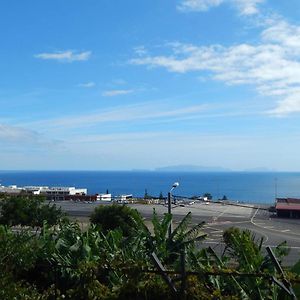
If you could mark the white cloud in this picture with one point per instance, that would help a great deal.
(272, 66)
(198, 5)
(140, 50)
(65, 56)
(87, 84)
(284, 34)
(245, 7)
(112, 93)
(289, 104)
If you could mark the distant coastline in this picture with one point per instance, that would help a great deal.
(247, 187)
(195, 168)
(191, 168)
(180, 168)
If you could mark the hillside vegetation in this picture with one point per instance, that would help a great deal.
(117, 257)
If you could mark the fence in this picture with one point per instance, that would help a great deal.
(179, 290)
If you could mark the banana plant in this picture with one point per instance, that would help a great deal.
(243, 254)
(208, 261)
(168, 248)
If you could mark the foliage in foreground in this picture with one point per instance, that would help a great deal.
(110, 217)
(28, 211)
(64, 262)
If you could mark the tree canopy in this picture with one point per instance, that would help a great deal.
(28, 211)
(110, 217)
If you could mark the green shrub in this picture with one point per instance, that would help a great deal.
(110, 217)
(28, 211)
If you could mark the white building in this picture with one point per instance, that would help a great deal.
(104, 197)
(55, 193)
(51, 193)
(12, 190)
(124, 198)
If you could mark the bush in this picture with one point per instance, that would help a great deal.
(28, 211)
(110, 217)
(18, 290)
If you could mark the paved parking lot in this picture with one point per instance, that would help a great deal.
(218, 218)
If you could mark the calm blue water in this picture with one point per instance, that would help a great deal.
(246, 187)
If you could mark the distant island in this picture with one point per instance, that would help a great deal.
(191, 168)
(260, 169)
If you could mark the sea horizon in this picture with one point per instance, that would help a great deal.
(242, 186)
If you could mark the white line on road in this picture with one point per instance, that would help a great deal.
(271, 246)
(220, 223)
(289, 247)
(271, 228)
(222, 213)
(254, 215)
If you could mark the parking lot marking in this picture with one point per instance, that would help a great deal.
(211, 239)
(272, 246)
(254, 215)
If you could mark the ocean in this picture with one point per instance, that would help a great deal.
(236, 186)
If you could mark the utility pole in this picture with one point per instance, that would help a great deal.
(170, 212)
(175, 185)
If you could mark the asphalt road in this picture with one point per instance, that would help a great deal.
(218, 218)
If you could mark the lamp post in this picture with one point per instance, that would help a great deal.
(174, 186)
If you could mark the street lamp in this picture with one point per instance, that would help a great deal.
(174, 186)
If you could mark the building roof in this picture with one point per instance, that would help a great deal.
(287, 206)
(8, 190)
(288, 200)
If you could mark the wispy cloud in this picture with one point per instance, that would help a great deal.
(133, 113)
(10, 133)
(245, 7)
(18, 140)
(87, 84)
(140, 50)
(132, 136)
(113, 93)
(198, 5)
(119, 81)
(272, 65)
(65, 56)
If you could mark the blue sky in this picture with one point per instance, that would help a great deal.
(116, 85)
